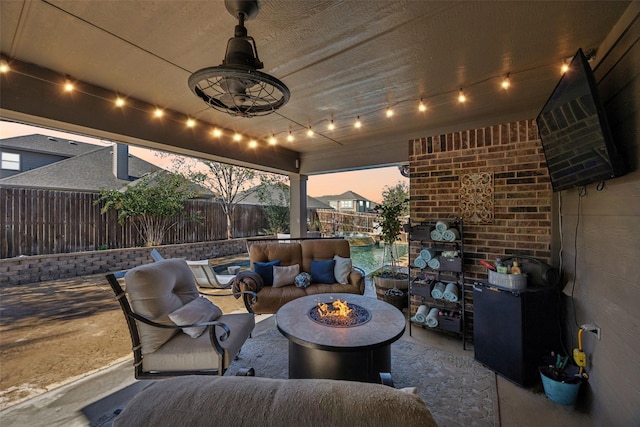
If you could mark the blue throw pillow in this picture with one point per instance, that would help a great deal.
(265, 270)
(322, 271)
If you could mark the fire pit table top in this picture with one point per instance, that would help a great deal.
(387, 324)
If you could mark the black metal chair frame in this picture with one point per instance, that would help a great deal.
(131, 317)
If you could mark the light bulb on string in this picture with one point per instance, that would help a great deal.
(158, 113)
(389, 112)
(506, 82)
(253, 143)
(4, 67)
(119, 102)
(273, 140)
(237, 137)
(310, 132)
(331, 125)
(68, 86)
(358, 123)
(290, 137)
(564, 68)
(422, 107)
(217, 133)
(461, 97)
(191, 123)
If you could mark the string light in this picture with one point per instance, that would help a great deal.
(461, 97)
(253, 143)
(119, 101)
(506, 82)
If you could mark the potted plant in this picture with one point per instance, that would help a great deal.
(394, 205)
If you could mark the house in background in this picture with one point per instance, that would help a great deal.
(278, 197)
(348, 202)
(44, 162)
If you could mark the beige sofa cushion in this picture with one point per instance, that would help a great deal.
(155, 290)
(200, 401)
(285, 275)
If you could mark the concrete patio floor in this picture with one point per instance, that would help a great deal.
(96, 399)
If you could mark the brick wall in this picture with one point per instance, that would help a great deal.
(522, 191)
(37, 268)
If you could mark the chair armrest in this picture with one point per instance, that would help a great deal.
(254, 296)
(215, 340)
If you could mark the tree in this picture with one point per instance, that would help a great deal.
(150, 204)
(395, 204)
(273, 193)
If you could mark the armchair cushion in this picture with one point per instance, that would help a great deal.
(285, 275)
(265, 270)
(155, 290)
(197, 311)
(323, 271)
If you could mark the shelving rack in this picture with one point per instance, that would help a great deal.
(450, 270)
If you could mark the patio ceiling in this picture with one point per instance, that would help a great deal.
(340, 59)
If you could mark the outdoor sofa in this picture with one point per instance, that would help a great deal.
(276, 267)
(253, 401)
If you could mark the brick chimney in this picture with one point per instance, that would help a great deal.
(121, 161)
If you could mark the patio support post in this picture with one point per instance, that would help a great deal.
(298, 202)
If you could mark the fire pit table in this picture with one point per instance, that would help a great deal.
(357, 349)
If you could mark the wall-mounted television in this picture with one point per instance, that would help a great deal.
(573, 128)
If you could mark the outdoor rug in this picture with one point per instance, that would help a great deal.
(458, 390)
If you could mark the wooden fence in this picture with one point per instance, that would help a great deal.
(334, 222)
(36, 222)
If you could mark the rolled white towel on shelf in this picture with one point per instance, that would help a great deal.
(420, 263)
(432, 318)
(421, 314)
(442, 226)
(436, 235)
(451, 235)
(427, 254)
(434, 263)
(438, 290)
(450, 254)
(451, 292)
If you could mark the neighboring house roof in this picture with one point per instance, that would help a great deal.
(347, 195)
(88, 167)
(47, 144)
(252, 199)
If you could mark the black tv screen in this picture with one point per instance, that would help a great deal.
(574, 132)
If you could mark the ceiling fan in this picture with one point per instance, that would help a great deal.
(236, 86)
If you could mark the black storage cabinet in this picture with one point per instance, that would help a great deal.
(514, 330)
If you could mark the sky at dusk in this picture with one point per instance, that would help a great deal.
(367, 183)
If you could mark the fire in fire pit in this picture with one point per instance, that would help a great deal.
(340, 314)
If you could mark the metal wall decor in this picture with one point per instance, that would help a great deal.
(476, 198)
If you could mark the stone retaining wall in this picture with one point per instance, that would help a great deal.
(38, 268)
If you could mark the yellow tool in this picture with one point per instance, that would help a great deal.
(579, 356)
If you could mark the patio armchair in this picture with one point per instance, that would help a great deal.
(175, 330)
(203, 274)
